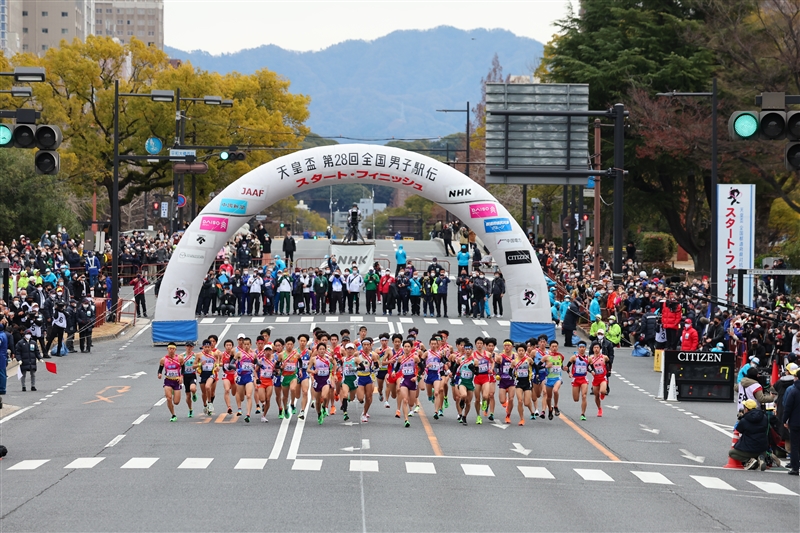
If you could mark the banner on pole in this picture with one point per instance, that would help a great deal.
(362, 254)
(735, 241)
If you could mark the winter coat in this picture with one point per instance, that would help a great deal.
(86, 317)
(689, 339)
(670, 319)
(415, 288)
(753, 429)
(27, 353)
(498, 286)
(791, 406)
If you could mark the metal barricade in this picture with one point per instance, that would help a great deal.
(423, 264)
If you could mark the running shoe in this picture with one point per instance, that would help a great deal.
(549, 415)
(320, 419)
(491, 417)
(458, 419)
(504, 404)
(556, 411)
(583, 417)
(346, 416)
(430, 399)
(478, 420)
(436, 415)
(508, 419)
(521, 422)
(173, 418)
(280, 414)
(407, 424)
(364, 419)
(386, 405)
(416, 408)
(312, 404)
(333, 410)
(600, 412)
(533, 416)
(191, 414)
(464, 420)
(397, 414)
(247, 419)
(294, 410)
(230, 411)
(258, 410)
(484, 405)
(264, 419)
(302, 415)
(441, 413)
(194, 396)
(411, 413)
(446, 403)
(542, 415)
(205, 409)
(380, 397)
(602, 397)
(324, 412)
(210, 410)
(238, 412)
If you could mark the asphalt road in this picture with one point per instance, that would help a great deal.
(93, 451)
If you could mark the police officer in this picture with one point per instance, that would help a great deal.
(86, 318)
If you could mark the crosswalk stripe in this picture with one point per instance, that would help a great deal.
(406, 320)
(431, 321)
(357, 465)
(233, 320)
(772, 488)
(456, 321)
(652, 477)
(420, 468)
(504, 323)
(383, 319)
(257, 320)
(85, 462)
(281, 319)
(477, 470)
(250, 464)
(207, 321)
(535, 472)
(589, 474)
(356, 319)
(479, 322)
(712, 482)
(30, 464)
(307, 464)
(331, 319)
(195, 463)
(305, 319)
(140, 462)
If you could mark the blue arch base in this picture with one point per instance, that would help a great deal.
(522, 331)
(176, 331)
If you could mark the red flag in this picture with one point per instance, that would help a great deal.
(51, 367)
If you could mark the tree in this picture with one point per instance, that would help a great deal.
(78, 96)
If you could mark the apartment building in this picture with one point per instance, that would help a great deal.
(123, 19)
(45, 23)
(10, 27)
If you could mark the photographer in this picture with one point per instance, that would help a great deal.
(353, 219)
(671, 313)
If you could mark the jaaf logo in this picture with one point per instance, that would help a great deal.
(256, 193)
(482, 210)
(234, 207)
(518, 257)
(497, 225)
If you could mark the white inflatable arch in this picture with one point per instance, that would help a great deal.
(526, 289)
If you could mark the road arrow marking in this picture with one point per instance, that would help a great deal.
(613, 406)
(499, 425)
(722, 428)
(692, 457)
(519, 449)
(364, 446)
(653, 431)
(349, 423)
(134, 376)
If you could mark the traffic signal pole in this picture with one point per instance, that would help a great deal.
(597, 181)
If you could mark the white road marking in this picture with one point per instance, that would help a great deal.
(257, 320)
(138, 333)
(282, 319)
(140, 462)
(477, 470)
(85, 462)
(589, 474)
(431, 321)
(479, 322)
(485, 333)
(307, 464)
(718, 427)
(280, 439)
(504, 323)
(381, 319)
(391, 328)
(250, 464)
(31, 464)
(420, 468)
(456, 321)
(535, 472)
(17, 413)
(207, 320)
(298, 433)
(770, 488)
(712, 482)
(406, 320)
(652, 477)
(115, 441)
(162, 401)
(140, 419)
(331, 319)
(357, 465)
(196, 463)
(306, 319)
(233, 320)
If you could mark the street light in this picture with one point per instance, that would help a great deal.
(536, 203)
(19, 92)
(156, 96)
(714, 199)
(466, 163)
(26, 74)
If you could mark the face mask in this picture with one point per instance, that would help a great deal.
(27, 336)
(327, 272)
(482, 276)
(86, 306)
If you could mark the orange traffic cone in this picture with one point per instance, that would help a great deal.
(774, 377)
(733, 463)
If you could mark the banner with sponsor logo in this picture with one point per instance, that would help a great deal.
(363, 255)
(367, 165)
(735, 237)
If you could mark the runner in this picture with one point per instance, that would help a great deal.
(598, 366)
(319, 366)
(420, 349)
(454, 360)
(578, 365)
(189, 376)
(290, 361)
(383, 365)
(305, 356)
(258, 354)
(505, 360)
(491, 344)
(349, 368)
(267, 369)
(521, 370)
(206, 364)
(553, 362)
(466, 372)
(335, 351)
(170, 365)
(365, 361)
(217, 372)
(434, 363)
(446, 350)
(392, 388)
(483, 363)
(277, 379)
(229, 369)
(539, 375)
(245, 367)
(407, 366)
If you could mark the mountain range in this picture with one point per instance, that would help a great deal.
(389, 87)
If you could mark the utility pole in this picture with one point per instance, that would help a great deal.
(597, 181)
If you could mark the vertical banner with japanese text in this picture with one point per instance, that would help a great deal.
(735, 242)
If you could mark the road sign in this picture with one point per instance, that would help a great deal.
(261, 217)
(153, 145)
(164, 209)
(588, 193)
(173, 152)
(181, 200)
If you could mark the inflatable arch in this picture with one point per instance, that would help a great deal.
(323, 166)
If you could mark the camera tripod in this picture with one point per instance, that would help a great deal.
(353, 234)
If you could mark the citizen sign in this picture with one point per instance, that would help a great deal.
(699, 357)
(518, 257)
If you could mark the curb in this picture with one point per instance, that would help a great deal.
(112, 336)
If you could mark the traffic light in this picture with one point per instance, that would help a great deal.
(743, 125)
(46, 138)
(584, 220)
(282, 225)
(233, 155)
(791, 154)
(156, 209)
(772, 124)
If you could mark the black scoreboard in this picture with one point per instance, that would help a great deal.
(708, 376)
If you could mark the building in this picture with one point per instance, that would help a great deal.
(10, 27)
(123, 19)
(44, 23)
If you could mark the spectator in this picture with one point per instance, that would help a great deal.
(384, 288)
(354, 284)
(321, 290)
(285, 285)
(400, 257)
(447, 237)
(371, 281)
(570, 321)
(337, 287)
(139, 283)
(27, 352)
(86, 319)
(478, 298)
(289, 247)
(402, 281)
(671, 319)
(752, 445)
(498, 291)
(614, 331)
(689, 338)
(791, 420)
(751, 389)
(415, 293)
(442, 283)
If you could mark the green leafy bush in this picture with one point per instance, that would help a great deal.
(657, 247)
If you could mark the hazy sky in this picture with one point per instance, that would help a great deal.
(219, 26)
